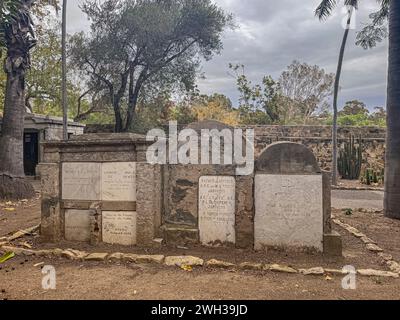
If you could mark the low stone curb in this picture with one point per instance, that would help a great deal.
(371, 245)
(357, 188)
(190, 261)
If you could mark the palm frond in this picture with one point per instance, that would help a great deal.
(352, 3)
(377, 30)
(325, 8)
(8, 13)
(371, 35)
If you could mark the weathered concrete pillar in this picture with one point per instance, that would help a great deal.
(50, 228)
(149, 202)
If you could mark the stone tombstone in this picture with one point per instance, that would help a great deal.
(289, 209)
(217, 209)
(81, 181)
(77, 225)
(118, 181)
(119, 227)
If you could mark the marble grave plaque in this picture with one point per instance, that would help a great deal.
(118, 181)
(81, 181)
(119, 227)
(217, 209)
(289, 211)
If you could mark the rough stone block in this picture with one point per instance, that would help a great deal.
(333, 244)
(180, 235)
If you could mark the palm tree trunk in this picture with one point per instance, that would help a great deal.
(19, 41)
(335, 101)
(12, 182)
(64, 71)
(392, 170)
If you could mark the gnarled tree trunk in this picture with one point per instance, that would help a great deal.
(19, 41)
(392, 170)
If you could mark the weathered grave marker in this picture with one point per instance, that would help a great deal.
(118, 181)
(217, 209)
(119, 227)
(77, 225)
(288, 198)
(81, 181)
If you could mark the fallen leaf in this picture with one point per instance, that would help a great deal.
(7, 256)
(9, 209)
(187, 268)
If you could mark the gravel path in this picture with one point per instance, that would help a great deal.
(357, 199)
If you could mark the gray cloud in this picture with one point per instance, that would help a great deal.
(271, 34)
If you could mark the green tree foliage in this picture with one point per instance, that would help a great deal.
(259, 103)
(354, 107)
(355, 114)
(148, 43)
(296, 97)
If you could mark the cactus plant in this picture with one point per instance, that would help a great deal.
(350, 159)
(371, 176)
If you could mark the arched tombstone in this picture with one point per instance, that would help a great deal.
(292, 198)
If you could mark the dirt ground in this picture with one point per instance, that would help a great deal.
(21, 279)
(355, 184)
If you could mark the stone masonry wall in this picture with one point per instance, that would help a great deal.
(318, 139)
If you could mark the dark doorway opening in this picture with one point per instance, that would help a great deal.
(31, 152)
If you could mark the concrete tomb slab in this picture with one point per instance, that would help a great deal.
(77, 225)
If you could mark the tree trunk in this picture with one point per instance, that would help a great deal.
(133, 96)
(392, 167)
(19, 41)
(130, 117)
(64, 97)
(12, 182)
(335, 102)
(117, 114)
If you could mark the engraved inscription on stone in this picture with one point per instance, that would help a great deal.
(289, 211)
(118, 181)
(119, 227)
(81, 181)
(77, 225)
(217, 209)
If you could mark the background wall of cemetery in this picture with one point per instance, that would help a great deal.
(317, 138)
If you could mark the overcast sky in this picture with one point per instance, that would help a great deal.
(271, 34)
